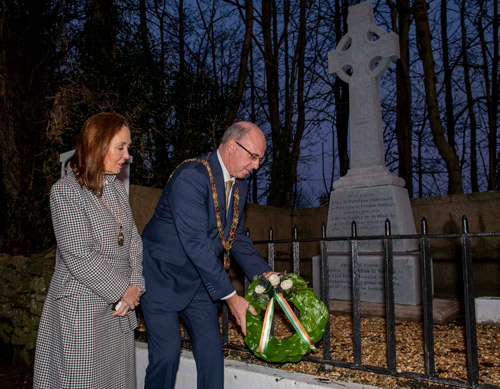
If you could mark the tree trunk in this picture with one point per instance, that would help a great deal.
(447, 73)
(470, 102)
(301, 120)
(341, 93)
(242, 74)
(425, 49)
(280, 150)
(182, 59)
(492, 93)
(404, 125)
(29, 56)
(144, 35)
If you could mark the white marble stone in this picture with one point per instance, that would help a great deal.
(361, 57)
(406, 278)
(370, 207)
(488, 310)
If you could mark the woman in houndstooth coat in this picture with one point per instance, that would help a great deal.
(83, 340)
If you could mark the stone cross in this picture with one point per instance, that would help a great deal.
(369, 194)
(361, 57)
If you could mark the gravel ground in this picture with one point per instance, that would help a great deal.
(450, 353)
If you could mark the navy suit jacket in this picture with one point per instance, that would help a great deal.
(181, 241)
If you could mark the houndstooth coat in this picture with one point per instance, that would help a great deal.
(80, 345)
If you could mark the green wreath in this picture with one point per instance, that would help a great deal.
(313, 317)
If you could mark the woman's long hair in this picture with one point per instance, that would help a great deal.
(92, 147)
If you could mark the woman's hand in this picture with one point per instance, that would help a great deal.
(129, 300)
(121, 309)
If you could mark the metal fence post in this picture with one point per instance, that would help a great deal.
(425, 255)
(325, 291)
(356, 299)
(270, 249)
(390, 324)
(296, 251)
(469, 304)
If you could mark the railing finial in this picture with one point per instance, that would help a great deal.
(424, 226)
(465, 225)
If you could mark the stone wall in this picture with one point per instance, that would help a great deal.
(24, 281)
(443, 215)
(24, 284)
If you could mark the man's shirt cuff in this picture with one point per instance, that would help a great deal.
(229, 295)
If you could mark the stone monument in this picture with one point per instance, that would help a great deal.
(369, 193)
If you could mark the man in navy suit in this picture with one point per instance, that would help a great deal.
(186, 245)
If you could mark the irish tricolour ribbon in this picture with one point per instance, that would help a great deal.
(268, 320)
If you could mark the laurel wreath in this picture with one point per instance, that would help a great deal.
(313, 317)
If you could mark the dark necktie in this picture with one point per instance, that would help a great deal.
(229, 185)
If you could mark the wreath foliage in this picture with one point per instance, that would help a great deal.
(313, 317)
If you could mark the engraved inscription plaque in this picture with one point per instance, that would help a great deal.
(406, 278)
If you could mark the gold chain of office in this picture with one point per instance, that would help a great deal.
(236, 210)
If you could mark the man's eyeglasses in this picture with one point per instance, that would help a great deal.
(253, 156)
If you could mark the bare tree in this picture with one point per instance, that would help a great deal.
(447, 75)
(243, 68)
(402, 12)
(288, 122)
(341, 92)
(448, 154)
(470, 100)
(280, 147)
(491, 84)
(29, 57)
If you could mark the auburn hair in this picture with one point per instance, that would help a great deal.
(92, 147)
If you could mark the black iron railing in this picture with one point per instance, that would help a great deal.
(427, 304)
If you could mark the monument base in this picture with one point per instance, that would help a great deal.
(368, 176)
(444, 310)
(406, 278)
(370, 207)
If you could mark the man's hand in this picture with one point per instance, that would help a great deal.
(239, 306)
(270, 273)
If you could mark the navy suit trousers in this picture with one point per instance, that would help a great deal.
(164, 342)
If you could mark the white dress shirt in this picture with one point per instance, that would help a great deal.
(227, 177)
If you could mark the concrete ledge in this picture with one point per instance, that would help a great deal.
(488, 310)
(240, 375)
